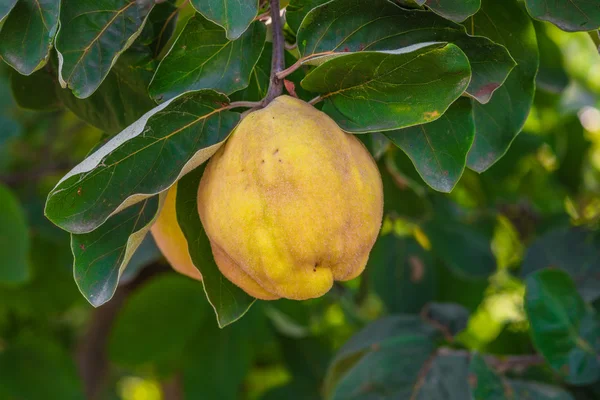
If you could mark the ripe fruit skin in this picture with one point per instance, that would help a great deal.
(170, 239)
(290, 203)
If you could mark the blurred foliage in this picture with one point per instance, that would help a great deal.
(507, 264)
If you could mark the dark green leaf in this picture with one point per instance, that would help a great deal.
(27, 35)
(160, 27)
(439, 149)
(146, 254)
(498, 122)
(102, 255)
(296, 10)
(464, 249)
(453, 317)
(121, 99)
(10, 129)
(574, 250)
(552, 76)
(5, 8)
(158, 321)
(92, 36)
(218, 360)
(233, 15)
(38, 368)
(402, 274)
(485, 383)
(203, 58)
(141, 161)
(523, 390)
(353, 25)
(382, 361)
(123, 96)
(402, 196)
(306, 358)
(296, 390)
(371, 91)
(455, 10)
(36, 91)
(14, 239)
(568, 15)
(229, 301)
(259, 78)
(563, 328)
(445, 380)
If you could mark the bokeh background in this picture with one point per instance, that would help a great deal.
(158, 337)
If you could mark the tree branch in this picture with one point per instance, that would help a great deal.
(92, 361)
(278, 61)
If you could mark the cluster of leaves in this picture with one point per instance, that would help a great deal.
(438, 90)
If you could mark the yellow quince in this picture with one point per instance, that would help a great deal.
(290, 203)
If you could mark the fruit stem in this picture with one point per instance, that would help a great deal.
(278, 60)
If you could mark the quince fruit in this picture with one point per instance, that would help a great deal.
(170, 239)
(290, 203)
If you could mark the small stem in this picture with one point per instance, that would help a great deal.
(290, 70)
(278, 61)
(249, 104)
(315, 100)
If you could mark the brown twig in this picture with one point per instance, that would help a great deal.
(92, 361)
(278, 61)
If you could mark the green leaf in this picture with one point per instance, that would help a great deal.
(36, 91)
(445, 380)
(157, 322)
(498, 122)
(235, 16)
(564, 329)
(229, 302)
(27, 35)
(402, 274)
(402, 196)
(260, 77)
(382, 361)
(92, 36)
(123, 96)
(523, 390)
(296, 10)
(453, 317)
(146, 254)
(466, 250)
(439, 149)
(371, 91)
(295, 390)
(6, 7)
(454, 10)
(352, 26)
(551, 76)
(141, 161)
(203, 58)
(37, 367)
(121, 99)
(258, 84)
(102, 255)
(574, 250)
(485, 383)
(14, 239)
(568, 15)
(218, 360)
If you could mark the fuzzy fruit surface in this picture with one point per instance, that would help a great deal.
(170, 239)
(290, 203)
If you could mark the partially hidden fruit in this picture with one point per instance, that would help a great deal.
(170, 239)
(290, 203)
